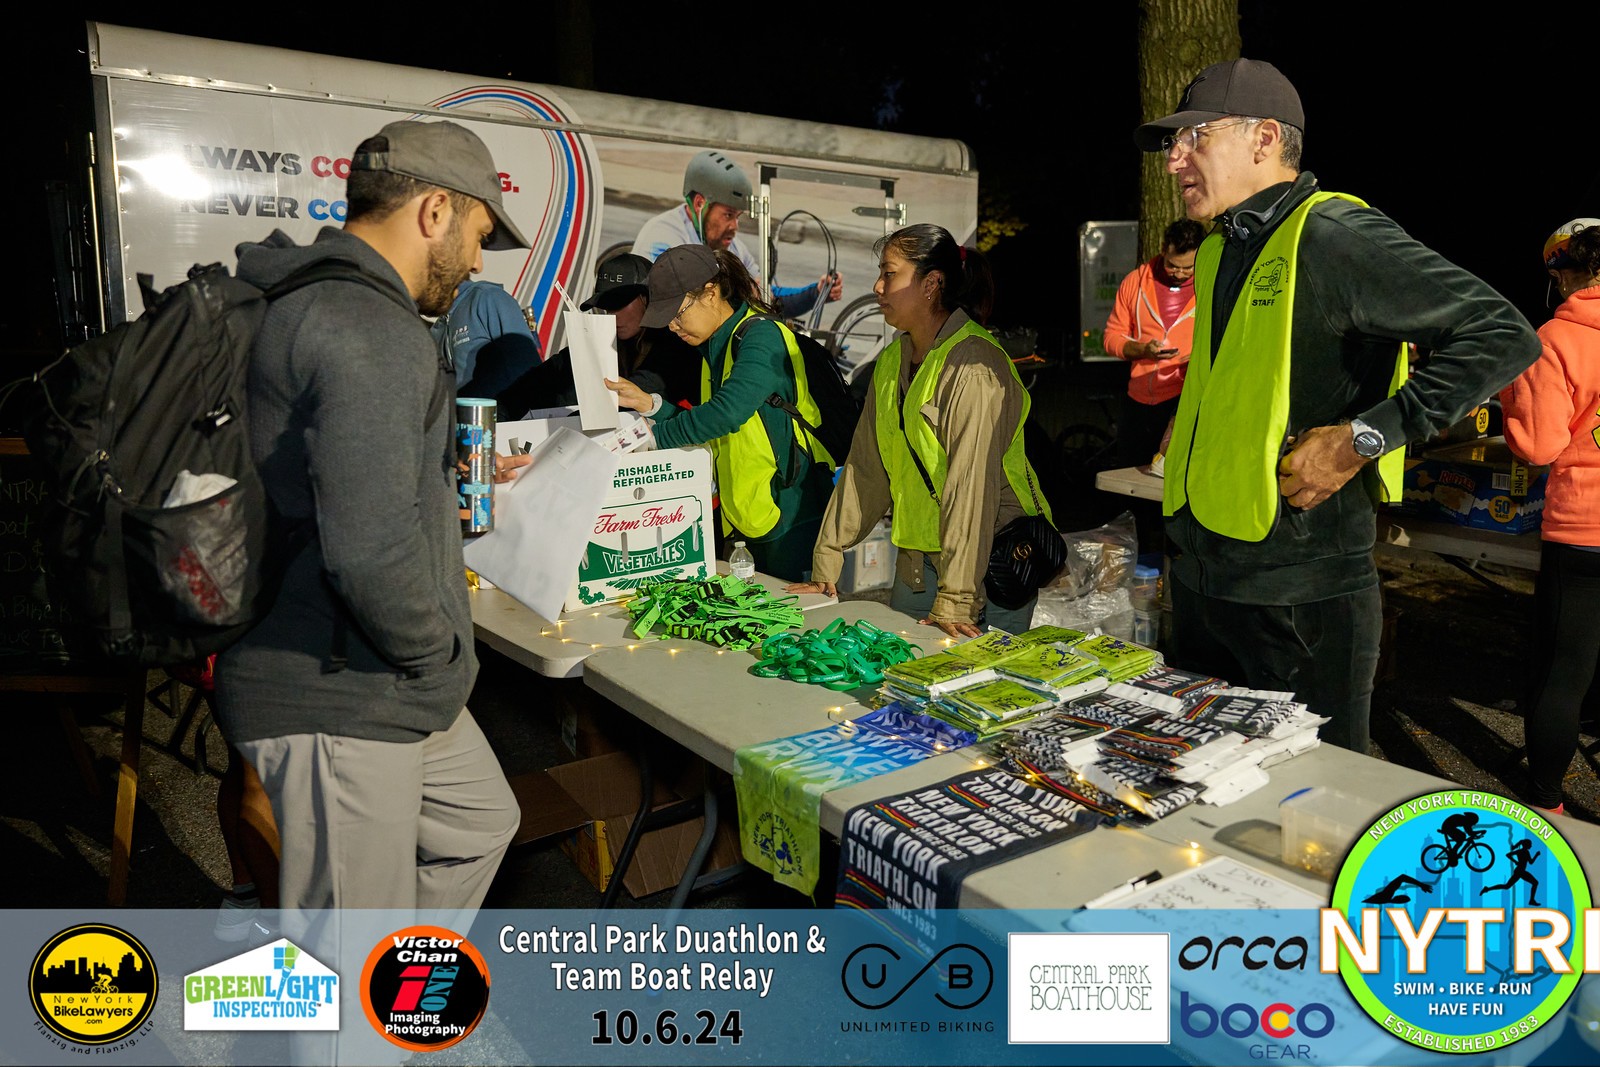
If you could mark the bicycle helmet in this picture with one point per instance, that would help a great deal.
(717, 178)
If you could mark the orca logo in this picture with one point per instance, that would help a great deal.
(1263, 952)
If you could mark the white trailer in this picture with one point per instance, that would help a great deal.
(202, 144)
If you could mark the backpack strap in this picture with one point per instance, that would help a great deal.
(799, 443)
(775, 399)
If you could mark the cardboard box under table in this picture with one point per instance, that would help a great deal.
(655, 524)
(1478, 484)
(592, 803)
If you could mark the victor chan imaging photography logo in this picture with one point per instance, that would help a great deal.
(1089, 989)
(425, 988)
(93, 984)
(1461, 922)
(277, 986)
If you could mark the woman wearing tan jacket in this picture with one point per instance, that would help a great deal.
(939, 442)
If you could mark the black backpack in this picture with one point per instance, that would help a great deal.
(840, 409)
(117, 418)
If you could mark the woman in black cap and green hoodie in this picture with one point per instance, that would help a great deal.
(773, 477)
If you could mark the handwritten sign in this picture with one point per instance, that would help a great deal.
(30, 621)
(1219, 882)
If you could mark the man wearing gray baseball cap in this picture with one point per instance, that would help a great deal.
(1293, 417)
(349, 697)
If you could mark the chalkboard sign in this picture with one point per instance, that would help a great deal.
(30, 621)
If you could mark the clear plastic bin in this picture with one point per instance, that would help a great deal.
(1318, 828)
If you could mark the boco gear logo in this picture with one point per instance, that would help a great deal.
(93, 984)
(1460, 922)
(424, 988)
(874, 976)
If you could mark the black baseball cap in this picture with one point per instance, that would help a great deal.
(676, 273)
(620, 280)
(1247, 87)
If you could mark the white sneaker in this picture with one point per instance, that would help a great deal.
(234, 917)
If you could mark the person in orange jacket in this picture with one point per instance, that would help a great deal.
(1152, 327)
(1552, 416)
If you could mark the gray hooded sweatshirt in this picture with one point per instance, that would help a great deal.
(340, 383)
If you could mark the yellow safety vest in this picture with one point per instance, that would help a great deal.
(915, 516)
(745, 462)
(1223, 466)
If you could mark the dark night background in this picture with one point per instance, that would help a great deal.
(1471, 133)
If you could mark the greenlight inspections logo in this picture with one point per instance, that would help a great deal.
(1460, 922)
(276, 986)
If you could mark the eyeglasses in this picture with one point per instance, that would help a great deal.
(1189, 136)
(688, 300)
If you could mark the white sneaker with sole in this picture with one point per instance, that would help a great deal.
(234, 916)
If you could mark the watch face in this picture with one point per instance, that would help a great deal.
(1368, 444)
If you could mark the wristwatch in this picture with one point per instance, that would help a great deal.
(1367, 441)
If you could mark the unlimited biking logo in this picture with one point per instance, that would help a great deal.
(1461, 922)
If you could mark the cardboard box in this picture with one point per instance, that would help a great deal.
(1478, 484)
(592, 802)
(655, 523)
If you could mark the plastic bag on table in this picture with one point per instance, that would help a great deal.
(1093, 592)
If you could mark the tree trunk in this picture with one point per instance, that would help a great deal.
(1177, 40)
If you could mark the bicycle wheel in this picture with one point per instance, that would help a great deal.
(1480, 857)
(1435, 859)
(859, 334)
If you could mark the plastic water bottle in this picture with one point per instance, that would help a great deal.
(742, 563)
(1146, 596)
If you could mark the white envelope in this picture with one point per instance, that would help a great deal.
(592, 340)
(542, 521)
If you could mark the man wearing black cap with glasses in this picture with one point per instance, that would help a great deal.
(1304, 302)
(655, 359)
(349, 697)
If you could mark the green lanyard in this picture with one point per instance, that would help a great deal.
(840, 656)
(721, 610)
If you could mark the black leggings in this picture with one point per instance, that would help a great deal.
(1566, 640)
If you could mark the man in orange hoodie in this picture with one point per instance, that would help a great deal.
(1152, 326)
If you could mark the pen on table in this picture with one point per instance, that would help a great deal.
(1127, 889)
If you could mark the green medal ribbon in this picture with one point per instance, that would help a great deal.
(839, 656)
(721, 610)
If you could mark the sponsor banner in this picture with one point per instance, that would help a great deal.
(799, 986)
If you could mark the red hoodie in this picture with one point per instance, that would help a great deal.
(1552, 416)
(1136, 316)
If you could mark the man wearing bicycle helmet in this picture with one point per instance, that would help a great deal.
(716, 194)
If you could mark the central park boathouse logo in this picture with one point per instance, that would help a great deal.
(1461, 922)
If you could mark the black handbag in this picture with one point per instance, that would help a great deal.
(1027, 555)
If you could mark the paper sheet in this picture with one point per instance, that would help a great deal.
(543, 520)
(592, 340)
